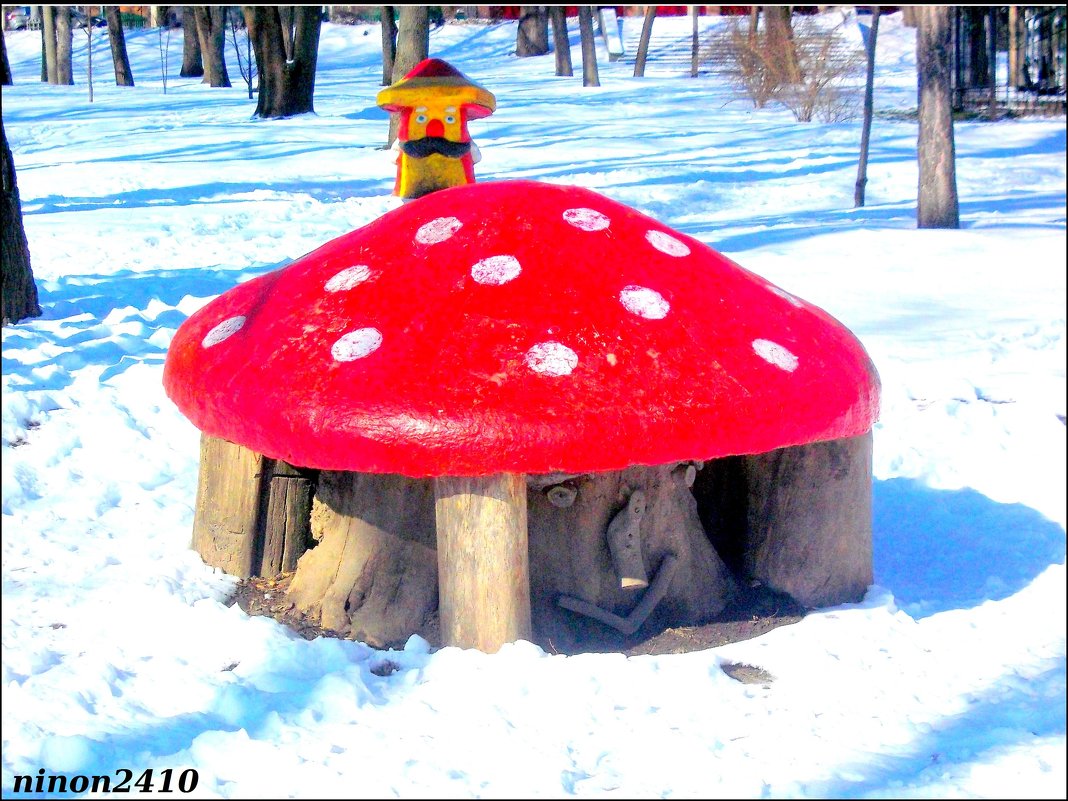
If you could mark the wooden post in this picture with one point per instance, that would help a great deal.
(483, 574)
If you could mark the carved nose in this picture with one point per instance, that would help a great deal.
(435, 128)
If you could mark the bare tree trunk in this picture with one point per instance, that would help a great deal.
(869, 106)
(286, 85)
(5, 65)
(937, 205)
(781, 40)
(908, 16)
(643, 42)
(533, 36)
(561, 41)
(211, 30)
(589, 47)
(192, 65)
(123, 75)
(389, 43)
(695, 45)
(44, 45)
(64, 72)
(89, 59)
(413, 45)
(48, 29)
(19, 289)
(1015, 62)
(992, 58)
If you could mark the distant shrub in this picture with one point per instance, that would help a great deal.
(809, 73)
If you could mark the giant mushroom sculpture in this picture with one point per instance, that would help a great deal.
(515, 347)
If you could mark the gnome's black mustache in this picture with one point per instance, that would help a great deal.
(428, 145)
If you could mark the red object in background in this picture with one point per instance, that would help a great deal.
(522, 327)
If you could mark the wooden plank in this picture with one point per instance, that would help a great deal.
(287, 523)
(229, 507)
(483, 572)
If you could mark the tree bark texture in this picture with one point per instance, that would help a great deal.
(286, 86)
(532, 38)
(1015, 62)
(561, 41)
(869, 107)
(643, 42)
(44, 45)
(695, 44)
(5, 65)
(288, 20)
(64, 37)
(19, 289)
(119, 56)
(192, 64)
(413, 45)
(937, 205)
(48, 31)
(373, 575)
(589, 47)
(780, 33)
(389, 43)
(211, 31)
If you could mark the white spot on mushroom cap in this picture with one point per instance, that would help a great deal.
(356, 344)
(644, 302)
(496, 270)
(437, 230)
(348, 278)
(224, 330)
(586, 219)
(776, 354)
(666, 243)
(782, 293)
(551, 358)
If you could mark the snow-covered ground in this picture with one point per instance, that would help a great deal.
(119, 650)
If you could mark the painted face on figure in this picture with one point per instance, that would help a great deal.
(438, 120)
(434, 148)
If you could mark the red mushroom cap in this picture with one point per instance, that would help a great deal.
(516, 326)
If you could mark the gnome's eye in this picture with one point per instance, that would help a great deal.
(450, 119)
(421, 119)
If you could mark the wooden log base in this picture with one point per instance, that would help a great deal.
(373, 574)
